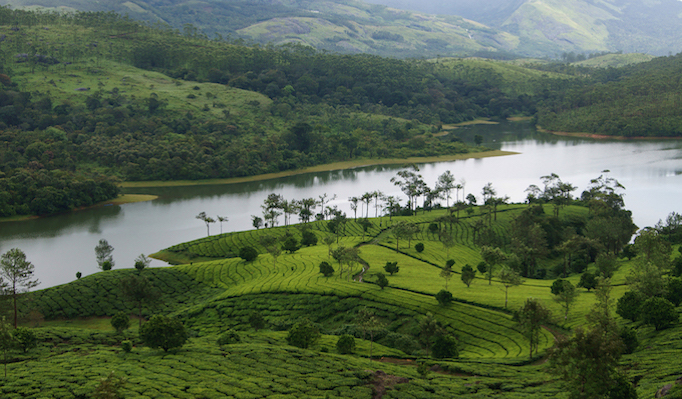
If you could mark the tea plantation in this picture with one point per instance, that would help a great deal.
(212, 290)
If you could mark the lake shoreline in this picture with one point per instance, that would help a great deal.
(602, 136)
(319, 168)
(120, 200)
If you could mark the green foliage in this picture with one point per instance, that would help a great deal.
(25, 338)
(103, 253)
(127, 345)
(630, 304)
(290, 245)
(588, 281)
(345, 344)
(120, 321)
(16, 276)
(674, 291)
(163, 332)
(444, 297)
(303, 334)
(531, 317)
(419, 247)
(382, 281)
(256, 320)
(326, 269)
(229, 337)
(308, 238)
(109, 387)
(468, 274)
(249, 254)
(444, 346)
(659, 312)
(391, 267)
(630, 341)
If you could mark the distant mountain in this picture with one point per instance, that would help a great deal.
(417, 28)
(644, 26)
(346, 26)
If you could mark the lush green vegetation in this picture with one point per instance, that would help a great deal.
(244, 319)
(91, 98)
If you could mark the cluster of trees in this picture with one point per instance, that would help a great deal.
(634, 101)
(536, 237)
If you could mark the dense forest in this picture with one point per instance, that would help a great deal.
(92, 98)
(313, 107)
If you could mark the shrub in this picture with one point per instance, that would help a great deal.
(419, 247)
(391, 267)
(303, 334)
(163, 332)
(25, 338)
(445, 346)
(346, 344)
(588, 281)
(120, 321)
(659, 312)
(127, 346)
(256, 320)
(291, 244)
(326, 269)
(308, 238)
(444, 297)
(249, 254)
(629, 305)
(229, 337)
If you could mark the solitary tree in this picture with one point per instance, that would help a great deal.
(163, 332)
(222, 219)
(445, 184)
(303, 334)
(16, 275)
(659, 312)
(345, 344)
(142, 262)
(256, 221)
(103, 251)
(326, 269)
(630, 304)
(248, 253)
(565, 294)
(468, 274)
(446, 272)
(444, 297)
(120, 321)
(492, 257)
(530, 317)
(206, 219)
(370, 324)
(382, 281)
(509, 278)
(391, 267)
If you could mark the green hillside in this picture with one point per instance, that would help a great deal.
(341, 26)
(213, 291)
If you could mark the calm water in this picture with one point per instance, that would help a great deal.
(59, 246)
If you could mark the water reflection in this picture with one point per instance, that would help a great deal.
(61, 245)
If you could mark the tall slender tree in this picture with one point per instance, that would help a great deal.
(16, 275)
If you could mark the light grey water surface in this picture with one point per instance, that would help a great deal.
(61, 245)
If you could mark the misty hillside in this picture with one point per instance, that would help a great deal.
(345, 26)
(651, 27)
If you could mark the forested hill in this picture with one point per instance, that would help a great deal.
(98, 96)
(636, 101)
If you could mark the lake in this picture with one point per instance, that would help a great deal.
(61, 245)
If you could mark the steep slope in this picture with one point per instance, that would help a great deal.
(546, 26)
(346, 26)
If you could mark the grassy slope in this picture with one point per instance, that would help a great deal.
(217, 294)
